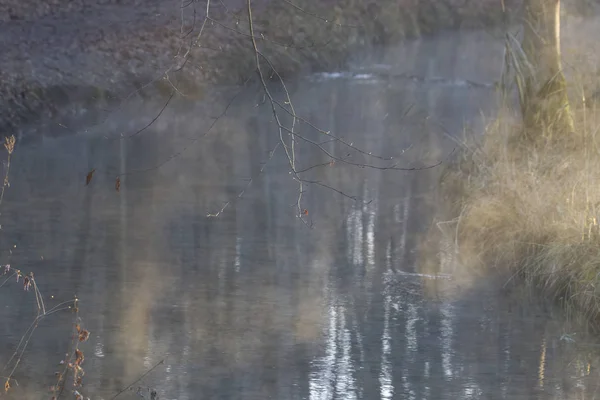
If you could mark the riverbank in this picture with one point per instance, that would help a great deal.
(529, 210)
(70, 53)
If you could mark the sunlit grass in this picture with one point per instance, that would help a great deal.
(530, 207)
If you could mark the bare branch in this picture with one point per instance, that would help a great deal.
(319, 183)
(192, 141)
(155, 118)
(137, 380)
(327, 164)
(393, 167)
(243, 191)
(336, 138)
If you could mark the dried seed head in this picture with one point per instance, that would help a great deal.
(9, 144)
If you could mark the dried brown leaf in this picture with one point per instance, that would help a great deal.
(79, 357)
(84, 335)
(89, 176)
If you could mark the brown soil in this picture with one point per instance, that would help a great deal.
(67, 51)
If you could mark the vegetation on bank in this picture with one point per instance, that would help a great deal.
(523, 198)
(530, 209)
(296, 36)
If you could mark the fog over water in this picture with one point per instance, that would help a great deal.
(253, 304)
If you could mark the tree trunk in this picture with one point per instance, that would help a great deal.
(544, 103)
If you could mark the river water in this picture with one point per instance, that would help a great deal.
(255, 304)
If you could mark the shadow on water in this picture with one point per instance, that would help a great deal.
(252, 304)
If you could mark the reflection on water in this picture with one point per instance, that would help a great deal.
(253, 304)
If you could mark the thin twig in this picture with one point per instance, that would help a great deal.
(192, 141)
(290, 152)
(137, 380)
(157, 115)
(337, 138)
(243, 191)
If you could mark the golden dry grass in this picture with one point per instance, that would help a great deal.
(530, 208)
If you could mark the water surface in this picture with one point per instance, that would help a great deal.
(254, 304)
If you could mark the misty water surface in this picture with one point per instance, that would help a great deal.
(253, 304)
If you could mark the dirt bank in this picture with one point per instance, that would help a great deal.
(68, 52)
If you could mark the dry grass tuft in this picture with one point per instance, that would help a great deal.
(530, 208)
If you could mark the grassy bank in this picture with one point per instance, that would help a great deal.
(298, 37)
(530, 209)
